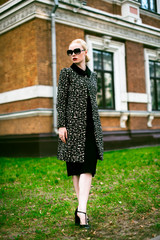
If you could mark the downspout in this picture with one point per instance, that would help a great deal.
(54, 65)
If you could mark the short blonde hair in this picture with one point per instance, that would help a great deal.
(84, 46)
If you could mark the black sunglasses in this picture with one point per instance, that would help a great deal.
(75, 51)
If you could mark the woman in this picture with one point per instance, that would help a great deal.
(80, 135)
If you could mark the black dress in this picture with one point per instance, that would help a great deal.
(91, 152)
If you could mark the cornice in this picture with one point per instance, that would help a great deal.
(22, 13)
(150, 14)
(107, 25)
(86, 18)
(77, 2)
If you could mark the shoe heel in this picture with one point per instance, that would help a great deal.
(77, 219)
(86, 226)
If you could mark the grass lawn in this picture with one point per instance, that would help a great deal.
(37, 199)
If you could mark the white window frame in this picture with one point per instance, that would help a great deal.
(118, 50)
(154, 55)
(158, 8)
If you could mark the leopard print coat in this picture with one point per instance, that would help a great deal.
(73, 89)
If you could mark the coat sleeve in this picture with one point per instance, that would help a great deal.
(62, 95)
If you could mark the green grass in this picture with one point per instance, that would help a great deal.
(37, 199)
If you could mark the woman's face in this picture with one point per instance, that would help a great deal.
(77, 58)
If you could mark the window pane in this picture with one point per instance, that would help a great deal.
(152, 5)
(97, 60)
(107, 61)
(157, 64)
(108, 90)
(103, 65)
(151, 68)
(158, 94)
(99, 90)
(144, 4)
(153, 95)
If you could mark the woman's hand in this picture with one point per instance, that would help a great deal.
(63, 134)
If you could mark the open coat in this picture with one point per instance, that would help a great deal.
(72, 114)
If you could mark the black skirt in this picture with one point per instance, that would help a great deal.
(91, 152)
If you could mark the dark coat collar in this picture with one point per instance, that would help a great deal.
(80, 71)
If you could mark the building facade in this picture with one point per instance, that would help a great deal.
(123, 38)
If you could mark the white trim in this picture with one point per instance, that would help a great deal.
(137, 97)
(24, 114)
(139, 114)
(127, 5)
(125, 115)
(107, 113)
(149, 54)
(158, 6)
(118, 49)
(26, 93)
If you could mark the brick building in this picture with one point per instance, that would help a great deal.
(123, 38)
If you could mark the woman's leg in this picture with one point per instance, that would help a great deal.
(76, 185)
(85, 180)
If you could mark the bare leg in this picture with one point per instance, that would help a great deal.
(76, 185)
(85, 180)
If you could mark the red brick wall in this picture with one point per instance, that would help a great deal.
(137, 106)
(136, 123)
(30, 125)
(139, 123)
(111, 124)
(18, 64)
(135, 67)
(64, 36)
(26, 60)
(156, 123)
(44, 54)
(104, 6)
(150, 21)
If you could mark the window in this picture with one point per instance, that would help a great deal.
(108, 61)
(154, 67)
(103, 66)
(149, 5)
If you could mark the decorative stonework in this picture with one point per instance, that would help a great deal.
(106, 27)
(17, 17)
(75, 2)
(123, 120)
(150, 119)
(25, 14)
(130, 11)
(106, 42)
(158, 54)
(106, 24)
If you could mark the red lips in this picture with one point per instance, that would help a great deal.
(74, 59)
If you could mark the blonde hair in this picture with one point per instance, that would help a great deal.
(84, 46)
